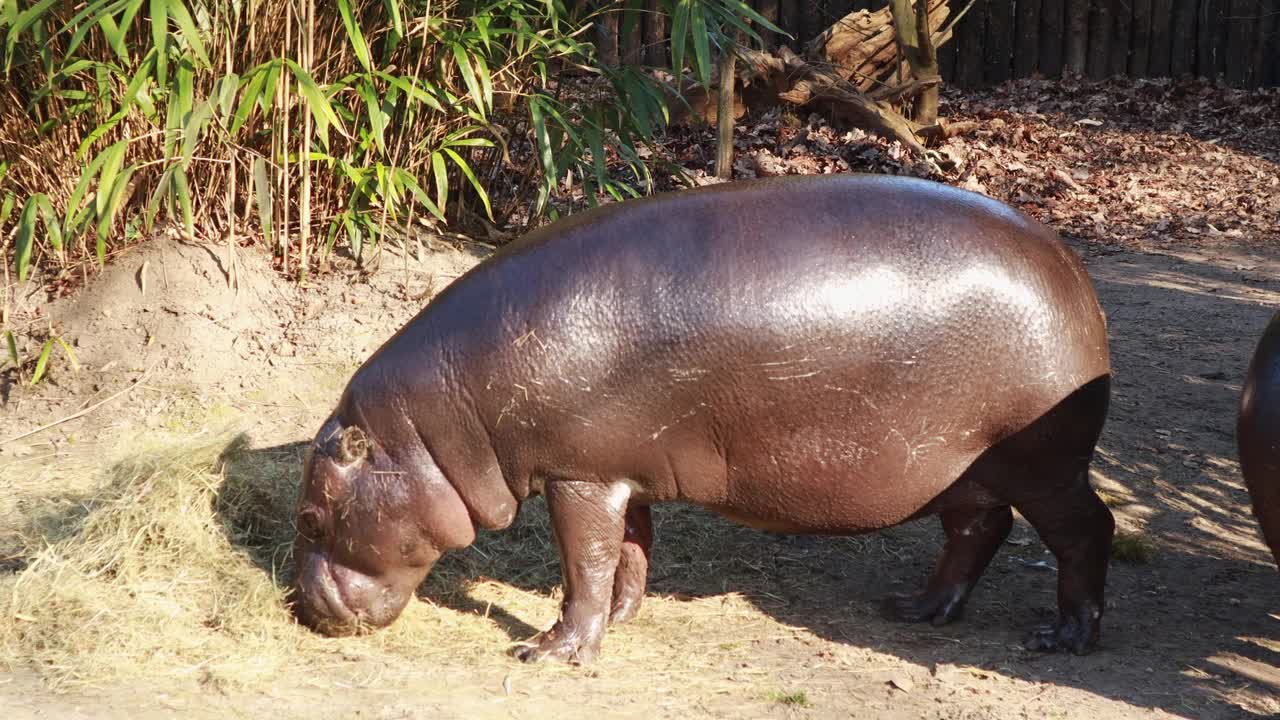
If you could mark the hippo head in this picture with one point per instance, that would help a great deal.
(370, 526)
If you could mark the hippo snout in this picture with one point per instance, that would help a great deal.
(337, 602)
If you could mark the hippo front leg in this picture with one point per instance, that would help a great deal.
(632, 575)
(588, 522)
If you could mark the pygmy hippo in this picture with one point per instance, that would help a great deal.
(1258, 434)
(828, 355)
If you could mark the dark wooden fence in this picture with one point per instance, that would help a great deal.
(1236, 42)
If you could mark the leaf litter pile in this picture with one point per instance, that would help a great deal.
(174, 559)
(1124, 163)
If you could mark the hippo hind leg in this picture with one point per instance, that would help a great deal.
(632, 575)
(1046, 479)
(974, 534)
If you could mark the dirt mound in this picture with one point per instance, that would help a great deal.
(171, 303)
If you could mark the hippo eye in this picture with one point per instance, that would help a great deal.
(310, 524)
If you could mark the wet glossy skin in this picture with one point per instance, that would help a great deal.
(808, 355)
(1258, 434)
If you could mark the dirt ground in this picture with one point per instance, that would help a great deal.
(737, 623)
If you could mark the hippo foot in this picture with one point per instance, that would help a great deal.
(624, 610)
(937, 607)
(1078, 635)
(561, 646)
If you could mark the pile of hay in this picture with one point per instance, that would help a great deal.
(176, 565)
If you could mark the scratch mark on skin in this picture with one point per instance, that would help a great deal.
(677, 421)
(522, 388)
(525, 338)
(686, 374)
(511, 404)
(776, 363)
(796, 377)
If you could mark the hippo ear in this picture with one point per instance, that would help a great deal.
(352, 446)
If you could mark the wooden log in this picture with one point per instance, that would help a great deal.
(1141, 38)
(655, 34)
(1026, 43)
(1100, 27)
(1241, 16)
(998, 47)
(1077, 41)
(1161, 34)
(1053, 15)
(1122, 23)
(972, 31)
(1182, 61)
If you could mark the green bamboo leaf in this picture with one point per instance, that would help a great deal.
(377, 118)
(4, 170)
(251, 93)
(112, 159)
(42, 363)
(317, 103)
(225, 91)
(442, 180)
(26, 237)
(409, 181)
(107, 218)
(409, 87)
(679, 35)
(71, 355)
(596, 142)
(6, 207)
(163, 188)
(486, 83)
(469, 76)
(397, 21)
(194, 130)
(190, 33)
(543, 138)
(355, 35)
(183, 192)
(21, 24)
(262, 191)
(466, 170)
(53, 229)
(160, 39)
(701, 45)
(13, 348)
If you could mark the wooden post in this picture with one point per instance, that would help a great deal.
(1204, 37)
(1077, 36)
(790, 13)
(768, 9)
(1052, 18)
(1026, 43)
(1161, 27)
(1183, 46)
(631, 34)
(998, 49)
(1099, 55)
(655, 34)
(724, 112)
(1240, 20)
(606, 27)
(1122, 23)
(972, 31)
(1141, 38)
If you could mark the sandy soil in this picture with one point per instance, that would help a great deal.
(738, 623)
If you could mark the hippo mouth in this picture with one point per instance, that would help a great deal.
(320, 605)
